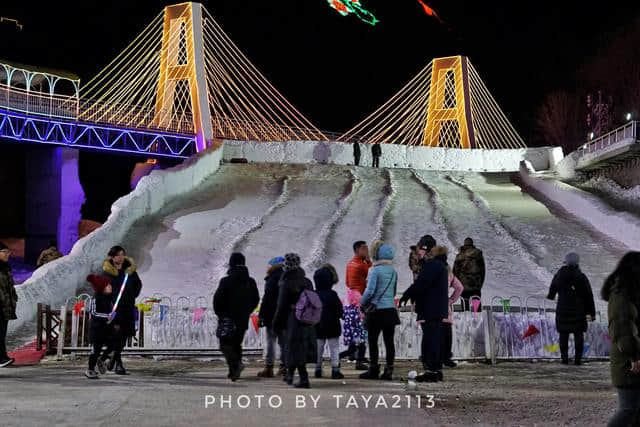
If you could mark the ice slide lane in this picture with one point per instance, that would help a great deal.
(548, 231)
(510, 268)
(315, 204)
(183, 246)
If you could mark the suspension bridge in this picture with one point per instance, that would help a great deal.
(183, 84)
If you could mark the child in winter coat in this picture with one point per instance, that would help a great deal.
(354, 335)
(101, 330)
(328, 330)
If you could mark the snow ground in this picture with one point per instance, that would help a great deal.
(626, 199)
(265, 210)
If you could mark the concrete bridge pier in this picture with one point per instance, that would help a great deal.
(54, 197)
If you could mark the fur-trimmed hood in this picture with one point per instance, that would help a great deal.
(110, 269)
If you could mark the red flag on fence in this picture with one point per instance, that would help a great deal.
(531, 330)
(78, 307)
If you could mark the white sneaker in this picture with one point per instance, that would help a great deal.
(6, 362)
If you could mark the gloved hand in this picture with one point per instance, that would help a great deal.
(589, 318)
(403, 301)
(112, 316)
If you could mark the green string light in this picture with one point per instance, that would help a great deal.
(346, 7)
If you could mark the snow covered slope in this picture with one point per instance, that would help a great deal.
(265, 210)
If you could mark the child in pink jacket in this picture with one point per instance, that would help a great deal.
(447, 326)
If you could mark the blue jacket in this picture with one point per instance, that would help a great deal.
(381, 276)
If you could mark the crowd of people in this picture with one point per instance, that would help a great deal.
(302, 317)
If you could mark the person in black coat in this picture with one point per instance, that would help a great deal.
(301, 340)
(236, 298)
(118, 266)
(376, 152)
(356, 153)
(329, 329)
(101, 330)
(575, 304)
(430, 293)
(265, 316)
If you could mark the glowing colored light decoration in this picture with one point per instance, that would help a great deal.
(348, 7)
(429, 11)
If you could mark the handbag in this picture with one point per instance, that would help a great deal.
(369, 308)
(226, 328)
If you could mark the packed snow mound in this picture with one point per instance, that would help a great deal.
(318, 211)
(610, 189)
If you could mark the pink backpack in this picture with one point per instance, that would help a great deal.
(309, 308)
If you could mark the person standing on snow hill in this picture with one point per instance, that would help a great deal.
(301, 340)
(236, 298)
(575, 306)
(376, 153)
(357, 271)
(101, 331)
(8, 301)
(419, 252)
(265, 316)
(118, 266)
(329, 329)
(470, 269)
(382, 284)
(622, 291)
(430, 293)
(356, 153)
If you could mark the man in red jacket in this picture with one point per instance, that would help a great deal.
(357, 271)
(358, 267)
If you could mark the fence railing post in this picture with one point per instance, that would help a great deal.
(63, 331)
(48, 326)
(489, 334)
(39, 328)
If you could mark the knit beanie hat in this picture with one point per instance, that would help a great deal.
(276, 261)
(291, 262)
(3, 246)
(427, 242)
(236, 259)
(572, 259)
(98, 283)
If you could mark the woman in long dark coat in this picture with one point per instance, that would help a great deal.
(118, 266)
(236, 298)
(301, 339)
(575, 303)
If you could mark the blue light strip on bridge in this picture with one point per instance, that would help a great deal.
(43, 130)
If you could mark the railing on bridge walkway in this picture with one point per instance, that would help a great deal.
(630, 130)
(40, 103)
(501, 329)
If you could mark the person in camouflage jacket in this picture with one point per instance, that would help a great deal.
(622, 292)
(469, 267)
(8, 301)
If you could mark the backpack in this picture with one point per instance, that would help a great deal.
(309, 308)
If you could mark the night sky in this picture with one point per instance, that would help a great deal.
(337, 69)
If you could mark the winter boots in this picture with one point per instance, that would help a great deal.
(372, 373)
(387, 375)
(361, 366)
(92, 375)
(430, 377)
(120, 369)
(282, 371)
(336, 374)
(267, 372)
(449, 363)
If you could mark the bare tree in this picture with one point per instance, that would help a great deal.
(557, 120)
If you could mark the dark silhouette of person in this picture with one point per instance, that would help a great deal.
(376, 152)
(356, 153)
